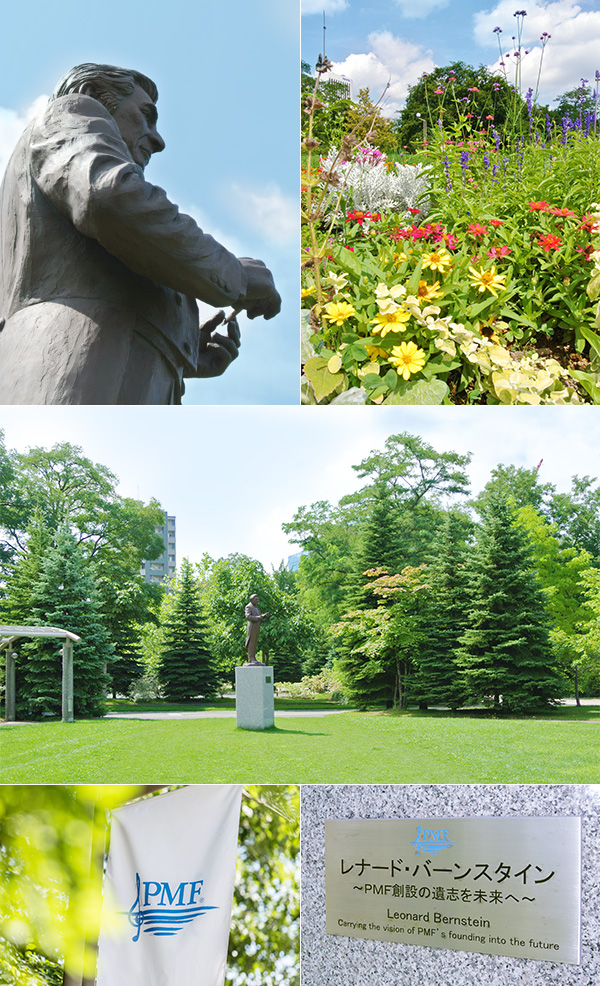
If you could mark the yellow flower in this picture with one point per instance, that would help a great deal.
(400, 258)
(486, 280)
(338, 311)
(437, 260)
(374, 352)
(306, 292)
(393, 321)
(428, 291)
(407, 358)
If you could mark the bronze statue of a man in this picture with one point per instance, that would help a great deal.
(255, 618)
(99, 271)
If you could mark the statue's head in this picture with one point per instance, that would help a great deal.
(129, 97)
(254, 599)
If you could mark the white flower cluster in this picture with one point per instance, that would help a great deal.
(373, 184)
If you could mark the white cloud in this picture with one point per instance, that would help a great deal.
(12, 125)
(572, 52)
(323, 6)
(391, 59)
(271, 214)
(420, 9)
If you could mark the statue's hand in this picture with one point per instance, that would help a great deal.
(262, 297)
(216, 351)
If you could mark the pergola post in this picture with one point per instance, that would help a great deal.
(8, 634)
(67, 681)
(9, 685)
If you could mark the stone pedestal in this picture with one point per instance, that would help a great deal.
(254, 697)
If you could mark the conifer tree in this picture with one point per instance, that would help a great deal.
(378, 547)
(438, 680)
(506, 655)
(186, 667)
(17, 606)
(65, 596)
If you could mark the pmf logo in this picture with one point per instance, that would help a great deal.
(162, 911)
(431, 840)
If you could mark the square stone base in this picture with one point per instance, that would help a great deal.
(254, 697)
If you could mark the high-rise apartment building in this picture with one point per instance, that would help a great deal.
(164, 566)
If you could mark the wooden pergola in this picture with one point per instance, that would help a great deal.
(8, 635)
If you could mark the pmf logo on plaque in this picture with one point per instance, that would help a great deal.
(501, 886)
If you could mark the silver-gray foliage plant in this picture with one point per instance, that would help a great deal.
(372, 184)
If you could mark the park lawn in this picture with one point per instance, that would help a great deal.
(345, 748)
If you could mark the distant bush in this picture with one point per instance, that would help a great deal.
(324, 683)
(145, 689)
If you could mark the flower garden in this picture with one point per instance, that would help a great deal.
(469, 275)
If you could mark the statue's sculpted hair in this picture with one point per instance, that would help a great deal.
(106, 83)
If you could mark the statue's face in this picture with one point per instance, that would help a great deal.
(254, 600)
(136, 118)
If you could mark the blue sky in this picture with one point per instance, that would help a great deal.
(233, 475)
(401, 39)
(227, 75)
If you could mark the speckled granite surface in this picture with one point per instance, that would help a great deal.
(329, 960)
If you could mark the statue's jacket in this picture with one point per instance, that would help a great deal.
(83, 231)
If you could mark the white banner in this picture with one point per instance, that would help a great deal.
(170, 876)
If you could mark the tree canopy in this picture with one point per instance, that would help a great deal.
(451, 91)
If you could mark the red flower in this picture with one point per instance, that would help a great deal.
(550, 242)
(500, 251)
(357, 217)
(415, 212)
(589, 224)
(539, 206)
(476, 229)
(496, 222)
(561, 212)
(450, 240)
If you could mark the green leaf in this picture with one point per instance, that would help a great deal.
(391, 379)
(322, 381)
(590, 382)
(412, 285)
(371, 380)
(590, 337)
(347, 261)
(306, 333)
(359, 352)
(421, 392)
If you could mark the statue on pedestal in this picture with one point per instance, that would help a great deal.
(255, 618)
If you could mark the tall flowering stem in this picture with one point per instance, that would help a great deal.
(317, 189)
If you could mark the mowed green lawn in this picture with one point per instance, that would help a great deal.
(346, 748)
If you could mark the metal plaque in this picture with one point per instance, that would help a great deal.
(501, 886)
